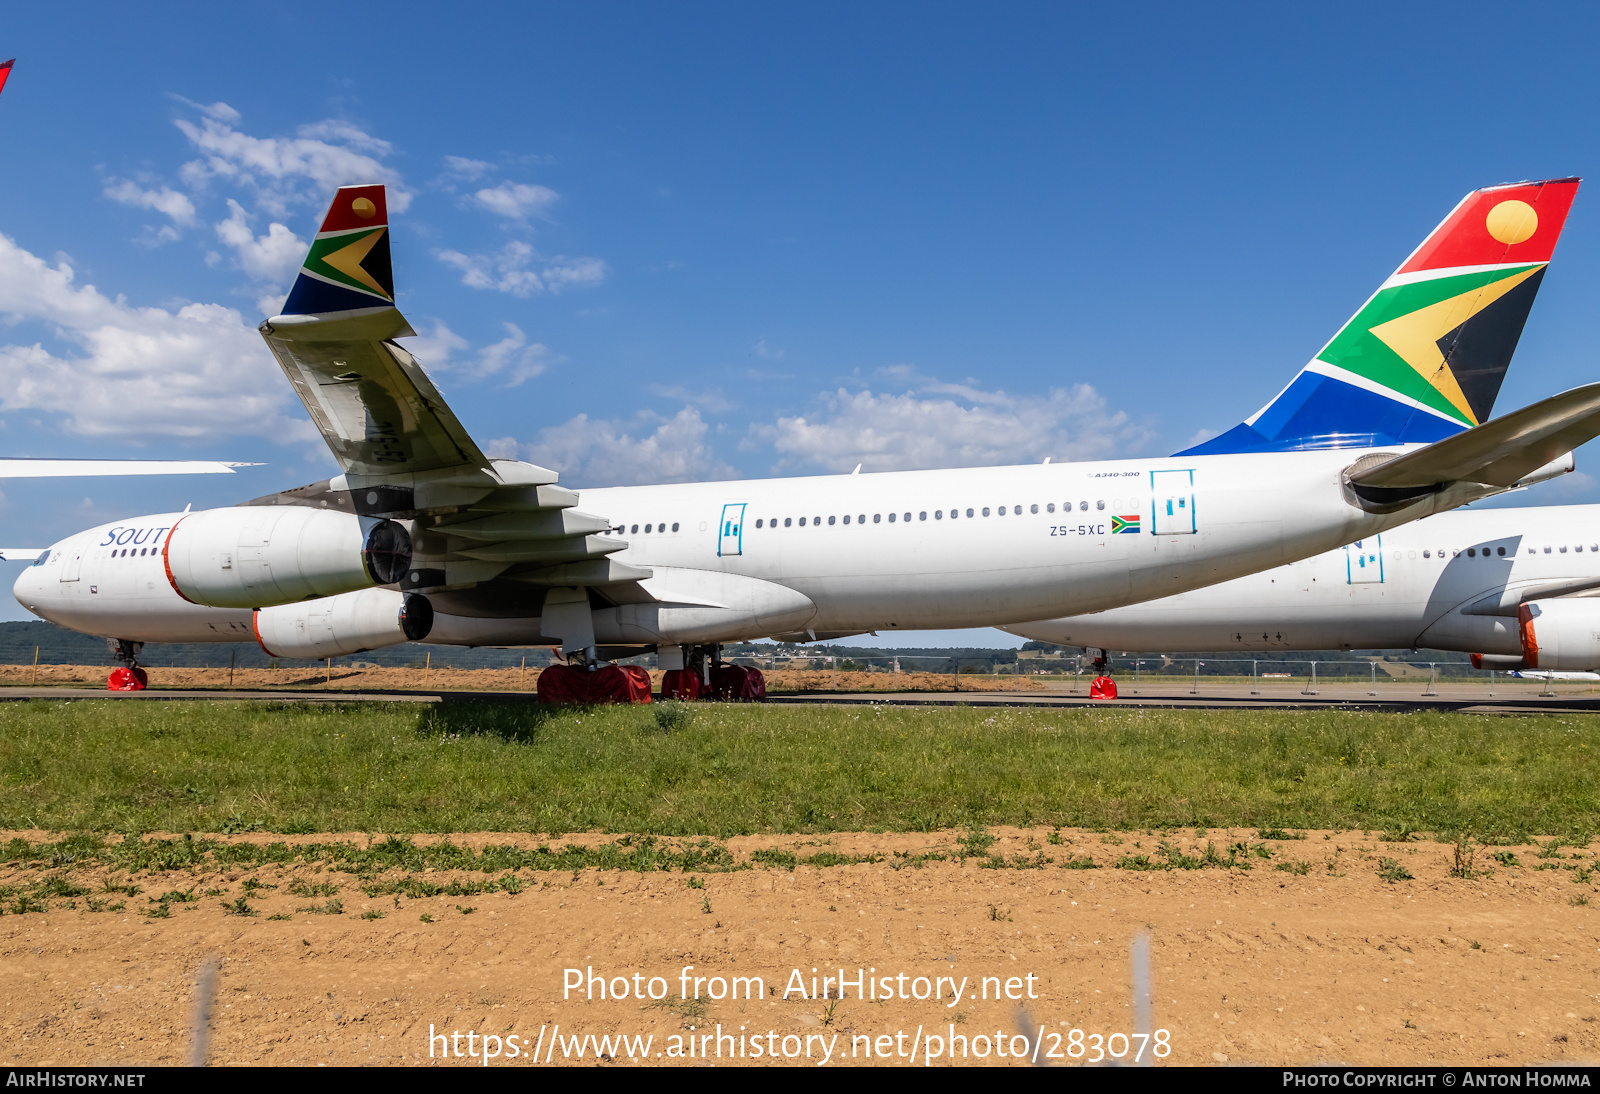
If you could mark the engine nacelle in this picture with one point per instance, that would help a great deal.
(348, 623)
(253, 556)
(1561, 634)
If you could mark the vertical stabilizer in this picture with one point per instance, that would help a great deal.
(1424, 357)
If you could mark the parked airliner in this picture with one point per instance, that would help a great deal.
(422, 535)
(1516, 587)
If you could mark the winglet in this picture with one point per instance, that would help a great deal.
(348, 267)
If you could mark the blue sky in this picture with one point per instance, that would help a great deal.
(673, 242)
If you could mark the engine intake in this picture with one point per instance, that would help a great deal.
(255, 556)
(348, 623)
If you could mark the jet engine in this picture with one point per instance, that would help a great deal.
(1560, 634)
(252, 556)
(348, 623)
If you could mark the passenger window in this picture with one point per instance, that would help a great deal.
(1051, 508)
(815, 521)
(1099, 505)
(787, 521)
(1501, 551)
(1472, 552)
(1083, 506)
(908, 517)
(674, 526)
(1563, 548)
(922, 515)
(830, 520)
(1427, 554)
(861, 518)
(1547, 550)
(647, 527)
(1592, 547)
(891, 518)
(1033, 510)
(938, 514)
(802, 522)
(847, 518)
(758, 524)
(635, 527)
(877, 518)
(985, 512)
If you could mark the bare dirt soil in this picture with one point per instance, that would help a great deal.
(515, 679)
(1321, 961)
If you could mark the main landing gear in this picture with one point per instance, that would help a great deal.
(699, 672)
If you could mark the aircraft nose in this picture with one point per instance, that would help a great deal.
(30, 584)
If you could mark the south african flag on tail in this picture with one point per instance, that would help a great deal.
(1128, 525)
(1424, 357)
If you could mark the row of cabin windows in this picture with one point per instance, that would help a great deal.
(938, 514)
(125, 550)
(1472, 552)
(651, 527)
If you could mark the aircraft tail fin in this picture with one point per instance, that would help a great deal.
(5, 72)
(348, 266)
(1425, 356)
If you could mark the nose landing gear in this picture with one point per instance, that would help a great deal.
(127, 676)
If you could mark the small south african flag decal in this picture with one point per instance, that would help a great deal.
(1128, 525)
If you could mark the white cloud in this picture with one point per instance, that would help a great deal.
(764, 350)
(166, 200)
(198, 371)
(520, 270)
(611, 452)
(465, 169)
(710, 400)
(966, 426)
(271, 257)
(513, 359)
(326, 155)
(515, 199)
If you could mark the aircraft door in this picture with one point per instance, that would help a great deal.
(72, 571)
(730, 537)
(1173, 494)
(1364, 561)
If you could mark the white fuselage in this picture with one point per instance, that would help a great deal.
(921, 549)
(1431, 584)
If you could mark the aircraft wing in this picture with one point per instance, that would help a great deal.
(403, 451)
(1501, 452)
(41, 469)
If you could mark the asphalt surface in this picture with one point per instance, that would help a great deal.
(1521, 697)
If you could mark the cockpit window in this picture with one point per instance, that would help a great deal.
(40, 561)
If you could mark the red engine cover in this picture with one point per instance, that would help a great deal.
(612, 684)
(1103, 688)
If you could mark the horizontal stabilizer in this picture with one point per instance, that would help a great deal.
(1498, 453)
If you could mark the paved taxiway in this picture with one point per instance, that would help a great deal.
(1522, 697)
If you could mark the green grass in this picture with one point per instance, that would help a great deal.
(105, 766)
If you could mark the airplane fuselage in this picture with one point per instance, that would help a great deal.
(899, 550)
(1450, 581)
